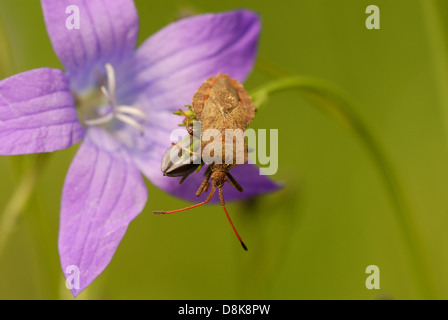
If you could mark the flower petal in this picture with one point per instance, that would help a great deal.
(37, 113)
(107, 33)
(172, 64)
(103, 193)
(247, 175)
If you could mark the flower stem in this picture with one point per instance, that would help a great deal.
(438, 48)
(6, 62)
(341, 108)
(19, 199)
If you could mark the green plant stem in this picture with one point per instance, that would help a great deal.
(6, 61)
(439, 51)
(340, 107)
(19, 199)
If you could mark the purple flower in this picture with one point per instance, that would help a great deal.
(125, 99)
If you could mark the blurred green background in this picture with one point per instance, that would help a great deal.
(334, 216)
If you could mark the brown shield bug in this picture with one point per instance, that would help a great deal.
(220, 104)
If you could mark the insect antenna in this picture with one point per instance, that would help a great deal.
(221, 198)
(209, 197)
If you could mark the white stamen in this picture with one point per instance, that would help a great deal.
(110, 78)
(120, 112)
(105, 93)
(130, 121)
(132, 110)
(99, 121)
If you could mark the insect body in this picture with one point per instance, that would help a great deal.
(221, 104)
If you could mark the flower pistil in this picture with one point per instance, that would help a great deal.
(116, 111)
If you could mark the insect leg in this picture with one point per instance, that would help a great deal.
(183, 179)
(187, 125)
(186, 149)
(203, 184)
(233, 182)
(206, 186)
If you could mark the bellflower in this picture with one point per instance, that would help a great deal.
(119, 101)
